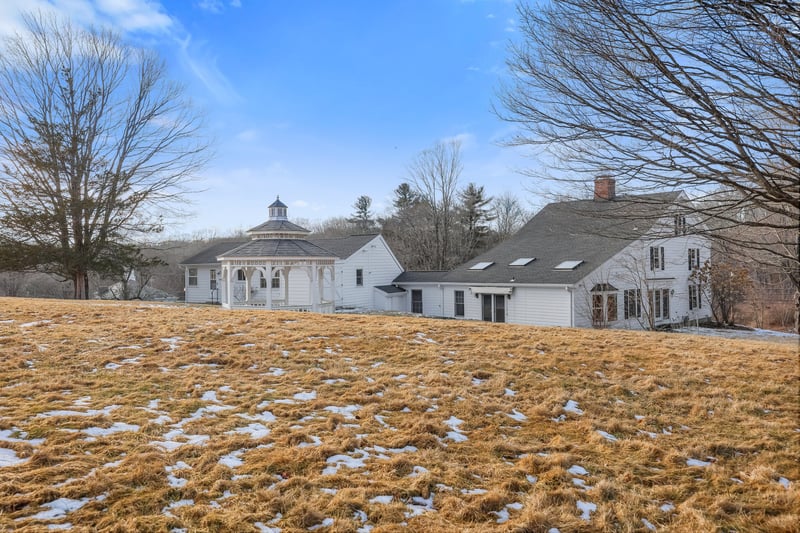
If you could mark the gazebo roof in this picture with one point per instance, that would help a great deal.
(278, 203)
(263, 248)
(278, 226)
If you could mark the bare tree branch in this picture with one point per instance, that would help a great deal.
(96, 146)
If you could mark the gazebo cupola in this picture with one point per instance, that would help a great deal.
(278, 225)
(278, 210)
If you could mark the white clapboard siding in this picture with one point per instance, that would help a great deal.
(540, 306)
(201, 293)
(630, 269)
(379, 267)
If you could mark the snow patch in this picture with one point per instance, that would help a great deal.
(572, 407)
(586, 509)
(9, 458)
(346, 412)
(305, 396)
(338, 461)
(608, 436)
(516, 415)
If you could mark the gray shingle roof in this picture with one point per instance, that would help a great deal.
(420, 276)
(278, 248)
(209, 255)
(390, 289)
(584, 230)
(278, 226)
(344, 247)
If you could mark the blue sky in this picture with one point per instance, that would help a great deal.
(323, 101)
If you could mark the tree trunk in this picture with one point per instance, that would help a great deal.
(80, 285)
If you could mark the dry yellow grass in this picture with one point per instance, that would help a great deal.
(133, 417)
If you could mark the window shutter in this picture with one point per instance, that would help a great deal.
(662, 258)
(652, 258)
(691, 253)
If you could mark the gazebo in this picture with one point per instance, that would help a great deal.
(258, 273)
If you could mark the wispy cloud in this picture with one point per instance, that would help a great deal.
(216, 6)
(247, 135)
(212, 6)
(511, 25)
(135, 18)
(135, 15)
(467, 140)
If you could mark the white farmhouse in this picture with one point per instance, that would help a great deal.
(279, 267)
(614, 261)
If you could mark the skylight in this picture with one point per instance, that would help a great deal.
(567, 265)
(481, 266)
(521, 262)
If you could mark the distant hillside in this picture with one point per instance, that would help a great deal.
(136, 417)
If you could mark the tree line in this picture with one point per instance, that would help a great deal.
(435, 222)
(97, 146)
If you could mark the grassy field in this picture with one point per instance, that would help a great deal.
(135, 417)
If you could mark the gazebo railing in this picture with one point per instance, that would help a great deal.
(324, 307)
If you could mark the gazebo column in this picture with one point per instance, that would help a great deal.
(221, 285)
(321, 283)
(314, 288)
(229, 287)
(286, 269)
(248, 272)
(269, 285)
(332, 270)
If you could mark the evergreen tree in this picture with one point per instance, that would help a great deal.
(474, 216)
(363, 217)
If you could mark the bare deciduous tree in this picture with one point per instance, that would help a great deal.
(702, 96)
(406, 229)
(509, 215)
(434, 173)
(96, 143)
(725, 285)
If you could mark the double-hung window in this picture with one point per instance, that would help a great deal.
(604, 304)
(632, 303)
(193, 277)
(694, 258)
(695, 297)
(359, 277)
(656, 258)
(680, 224)
(659, 303)
(275, 282)
(458, 298)
(212, 277)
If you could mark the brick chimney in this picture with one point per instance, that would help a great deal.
(604, 188)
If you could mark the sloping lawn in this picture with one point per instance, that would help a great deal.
(136, 417)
